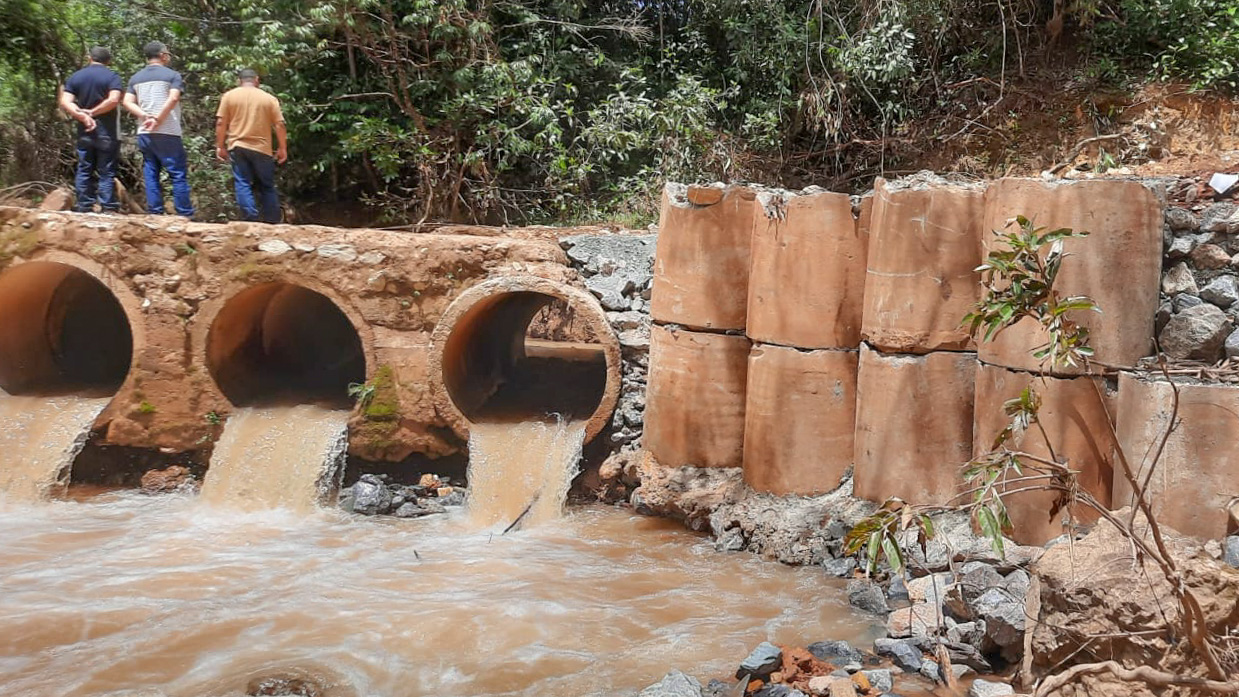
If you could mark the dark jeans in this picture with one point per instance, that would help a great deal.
(96, 171)
(254, 173)
(159, 153)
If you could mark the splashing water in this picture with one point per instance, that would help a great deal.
(277, 457)
(39, 437)
(518, 466)
(162, 596)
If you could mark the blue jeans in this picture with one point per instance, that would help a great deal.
(95, 180)
(254, 173)
(159, 153)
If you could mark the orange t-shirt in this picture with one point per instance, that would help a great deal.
(251, 114)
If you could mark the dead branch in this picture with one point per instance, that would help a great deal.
(1079, 148)
(1145, 674)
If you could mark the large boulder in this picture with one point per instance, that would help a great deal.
(1098, 599)
(1196, 333)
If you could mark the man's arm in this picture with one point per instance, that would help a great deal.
(131, 105)
(174, 98)
(106, 105)
(68, 103)
(221, 136)
(281, 136)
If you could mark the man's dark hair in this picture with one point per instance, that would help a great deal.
(154, 49)
(247, 75)
(100, 54)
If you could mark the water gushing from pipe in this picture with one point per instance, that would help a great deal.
(39, 438)
(522, 469)
(277, 457)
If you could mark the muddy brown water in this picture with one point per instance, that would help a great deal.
(39, 439)
(277, 457)
(126, 594)
(522, 471)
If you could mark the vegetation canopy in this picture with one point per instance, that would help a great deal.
(560, 110)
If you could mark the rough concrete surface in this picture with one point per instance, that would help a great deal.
(807, 277)
(913, 425)
(1198, 472)
(173, 278)
(1118, 265)
(924, 248)
(799, 419)
(694, 412)
(1075, 415)
(701, 269)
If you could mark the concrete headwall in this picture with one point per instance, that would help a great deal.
(175, 279)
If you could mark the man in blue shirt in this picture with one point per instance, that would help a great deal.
(90, 96)
(154, 97)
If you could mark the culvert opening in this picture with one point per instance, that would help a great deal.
(524, 355)
(61, 332)
(281, 343)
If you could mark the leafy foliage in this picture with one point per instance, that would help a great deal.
(1019, 283)
(555, 110)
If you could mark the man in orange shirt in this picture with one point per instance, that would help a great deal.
(243, 126)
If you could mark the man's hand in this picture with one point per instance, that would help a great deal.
(221, 154)
(85, 119)
(281, 155)
(149, 122)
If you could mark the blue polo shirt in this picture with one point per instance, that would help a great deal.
(90, 86)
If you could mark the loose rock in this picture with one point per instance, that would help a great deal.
(674, 684)
(1210, 256)
(764, 660)
(168, 479)
(835, 652)
(1222, 291)
(1230, 551)
(1197, 333)
(901, 652)
(867, 596)
(1179, 279)
(371, 496)
(985, 688)
(881, 680)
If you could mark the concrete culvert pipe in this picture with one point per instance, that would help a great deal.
(280, 343)
(518, 348)
(61, 332)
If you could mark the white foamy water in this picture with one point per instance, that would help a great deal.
(136, 595)
(277, 457)
(39, 437)
(512, 465)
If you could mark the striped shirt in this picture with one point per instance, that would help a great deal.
(151, 86)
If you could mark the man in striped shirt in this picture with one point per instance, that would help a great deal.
(154, 97)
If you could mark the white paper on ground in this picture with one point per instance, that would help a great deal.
(1222, 183)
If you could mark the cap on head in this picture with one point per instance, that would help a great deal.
(100, 54)
(154, 49)
(247, 75)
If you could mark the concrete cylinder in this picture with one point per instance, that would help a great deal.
(1076, 420)
(808, 271)
(1118, 265)
(925, 246)
(800, 420)
(913, 425)
(1199, 469)
(701, 266)
(694, 404)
